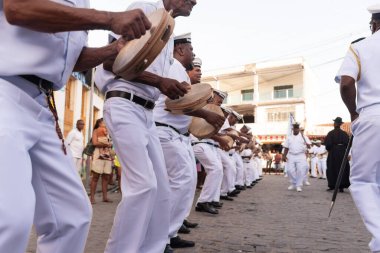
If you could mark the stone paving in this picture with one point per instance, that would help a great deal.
(265, 219)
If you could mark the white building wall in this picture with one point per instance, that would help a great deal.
(77, 101)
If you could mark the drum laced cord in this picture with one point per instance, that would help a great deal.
(51, 103)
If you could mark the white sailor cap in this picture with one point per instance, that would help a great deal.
(296, 124)
(183, 38)
(197, 62)
(247, 127)
(318, 141)
(226, 109)
(375, 11)
(237, 115)
(222, 94)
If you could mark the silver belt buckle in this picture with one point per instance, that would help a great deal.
(146, 103)
(47, 92)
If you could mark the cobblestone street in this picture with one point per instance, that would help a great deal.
(266, 219)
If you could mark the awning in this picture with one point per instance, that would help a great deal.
(278, 139)
(271, 138)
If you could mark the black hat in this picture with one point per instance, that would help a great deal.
(338, 120)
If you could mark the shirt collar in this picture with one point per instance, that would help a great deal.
(160, 4)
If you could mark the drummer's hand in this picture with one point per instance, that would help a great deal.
(130, 24)
(214, 119)
(117, 45)
(120, 43)
(172, 88)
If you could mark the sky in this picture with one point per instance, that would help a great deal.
(233, 33)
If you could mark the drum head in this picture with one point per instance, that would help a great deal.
(229, 140)
(200, 128)
(138, 54)
(195, 99)
(234, 132)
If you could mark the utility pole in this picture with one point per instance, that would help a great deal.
(90, 126)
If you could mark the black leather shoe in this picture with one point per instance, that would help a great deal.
(236, 191)
(249, 187)
(253, 184)
(226, 198)
(240, 187)
(230, 194)
(189, 224)
(168, 249)
(341, 190)
(215, 204)
(177, 242)
(184, 230)
(205, 207)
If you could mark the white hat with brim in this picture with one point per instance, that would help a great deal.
(220, 93)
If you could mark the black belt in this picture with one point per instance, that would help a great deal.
(208, 143)
(175, 129)
(46, 87)
(43, 85)
(147, 104)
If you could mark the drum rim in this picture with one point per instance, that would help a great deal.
(151, 47)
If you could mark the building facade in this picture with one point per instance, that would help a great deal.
(74, 102)
(266, 94)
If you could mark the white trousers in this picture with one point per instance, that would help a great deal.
(365, 171)
(141, 221)
(296, 169)
(78, 164)
(182, 173)
(239, 180)
(229, 172)
(248, 172)
(322, 167)
(259, 165)
(313, 166)
(208, 157)
(47, 191)
(256, 172)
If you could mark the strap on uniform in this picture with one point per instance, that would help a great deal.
(357, 61)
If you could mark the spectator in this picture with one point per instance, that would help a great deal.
(277, 161)
(75, 142)
(101, 160)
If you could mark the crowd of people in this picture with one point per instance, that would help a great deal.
(44, 41)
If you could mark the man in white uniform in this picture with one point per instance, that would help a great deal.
(248, 166)
(195, 73)
(176, 144)
(321, 152)
(313, 160)
(42, 43)
(296, 146)
(142, 217)
(361, 65)
(229, 166)
(206, 151)
(239, 179)
(75, 141)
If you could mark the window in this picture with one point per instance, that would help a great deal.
(279, 114)
(285, 91)
(247, 95)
